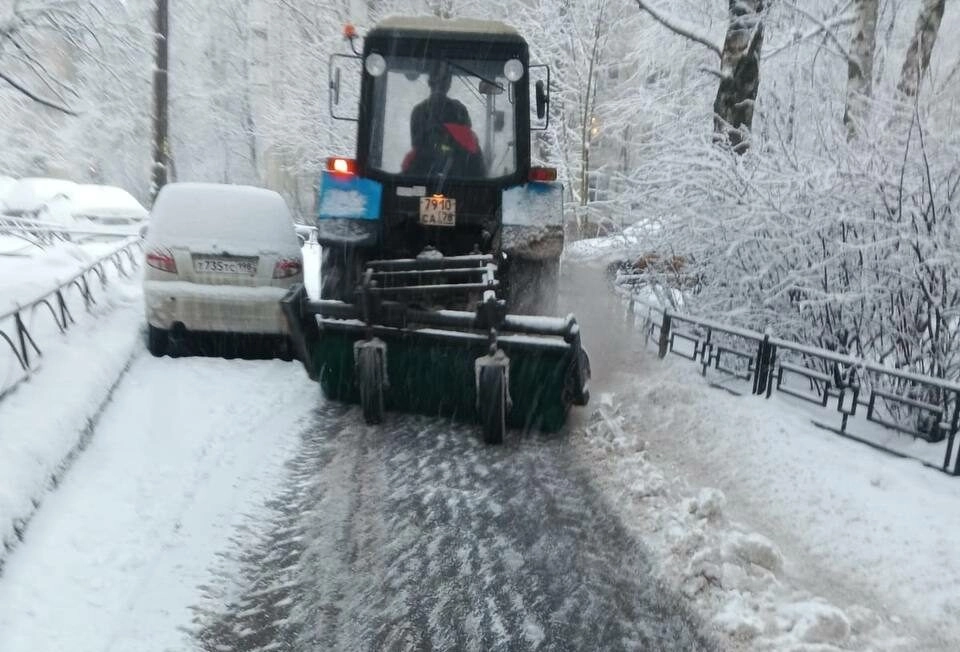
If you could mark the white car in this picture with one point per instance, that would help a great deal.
(27, 197)
(6, 185)
(95, 208)
(604, 251)
(218, 259)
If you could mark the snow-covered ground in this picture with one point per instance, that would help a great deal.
(783, 535)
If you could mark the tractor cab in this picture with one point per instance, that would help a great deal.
(443, 126)
(444, 107)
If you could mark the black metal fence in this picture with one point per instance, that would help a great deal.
(22, 327)
(858, 392)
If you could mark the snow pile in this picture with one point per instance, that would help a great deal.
(77, 376)
(653, 433)
(28, 271)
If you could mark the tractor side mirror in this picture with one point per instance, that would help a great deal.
(345, 90)
(335, 87)
(540, 77)
(541, 100)
(499, 121)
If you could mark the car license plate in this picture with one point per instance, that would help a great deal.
(437, 210)
(213, 265)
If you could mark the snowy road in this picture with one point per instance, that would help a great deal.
(223, 504)
(417, 536)
(186, 450)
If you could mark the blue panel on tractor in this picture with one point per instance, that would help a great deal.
(533, 204)
(348, 196)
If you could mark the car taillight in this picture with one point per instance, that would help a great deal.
(162, 259)
(287, 267)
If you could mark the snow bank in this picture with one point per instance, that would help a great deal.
(46, 421)
(773, 528)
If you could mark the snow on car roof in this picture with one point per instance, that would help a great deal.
(33, 192)
(6, 184)
(93, 197)
(189, 212)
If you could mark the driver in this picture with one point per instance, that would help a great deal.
(440, 132)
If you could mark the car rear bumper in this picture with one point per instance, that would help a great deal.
(217, 308)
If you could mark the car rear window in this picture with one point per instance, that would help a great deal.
(239, 214)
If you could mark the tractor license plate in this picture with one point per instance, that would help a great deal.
(438, 211)
(214, 265)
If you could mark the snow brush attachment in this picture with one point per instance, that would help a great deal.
(503, 371)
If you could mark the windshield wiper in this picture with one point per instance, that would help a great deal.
(470, 72)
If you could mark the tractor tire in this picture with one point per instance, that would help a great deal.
(370, 372)
(492, 403)
(533, 286)
(158, 339)
(340, 271)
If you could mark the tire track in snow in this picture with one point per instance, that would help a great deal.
(418, 536)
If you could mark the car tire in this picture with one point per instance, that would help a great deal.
(158, 340)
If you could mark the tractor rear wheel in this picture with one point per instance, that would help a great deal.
(492, 402)
(370, 371)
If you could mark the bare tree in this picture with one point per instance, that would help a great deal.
(917, 60)
(739, 65)
(739, 73)
(860, 64)
(32, 35)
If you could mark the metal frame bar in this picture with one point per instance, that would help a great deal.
(766, 366)
(21, 341)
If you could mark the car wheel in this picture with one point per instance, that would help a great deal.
(157, 340)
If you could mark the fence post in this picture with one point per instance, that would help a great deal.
(762, 371)
(664, 334)
(21, 330)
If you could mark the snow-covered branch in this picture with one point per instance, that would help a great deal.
(826, 27)
(681, 27)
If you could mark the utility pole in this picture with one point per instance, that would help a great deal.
(161, 150)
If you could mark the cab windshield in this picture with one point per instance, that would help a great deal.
(443, 117)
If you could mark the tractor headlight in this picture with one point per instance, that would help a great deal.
(513, 70)
(376, 65)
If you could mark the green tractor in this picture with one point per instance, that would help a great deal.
(441, 242)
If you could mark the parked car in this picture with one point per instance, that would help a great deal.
(96, 208)
(609, 249)
(6, 184)
(218, 260)
(28, 196)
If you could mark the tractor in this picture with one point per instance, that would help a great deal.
(440, 240)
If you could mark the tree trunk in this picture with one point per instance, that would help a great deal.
(739, 74)
(161, 152)
(860, 65)
(921, 45)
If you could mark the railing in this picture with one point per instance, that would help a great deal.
(861, 392)
(23, 326)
